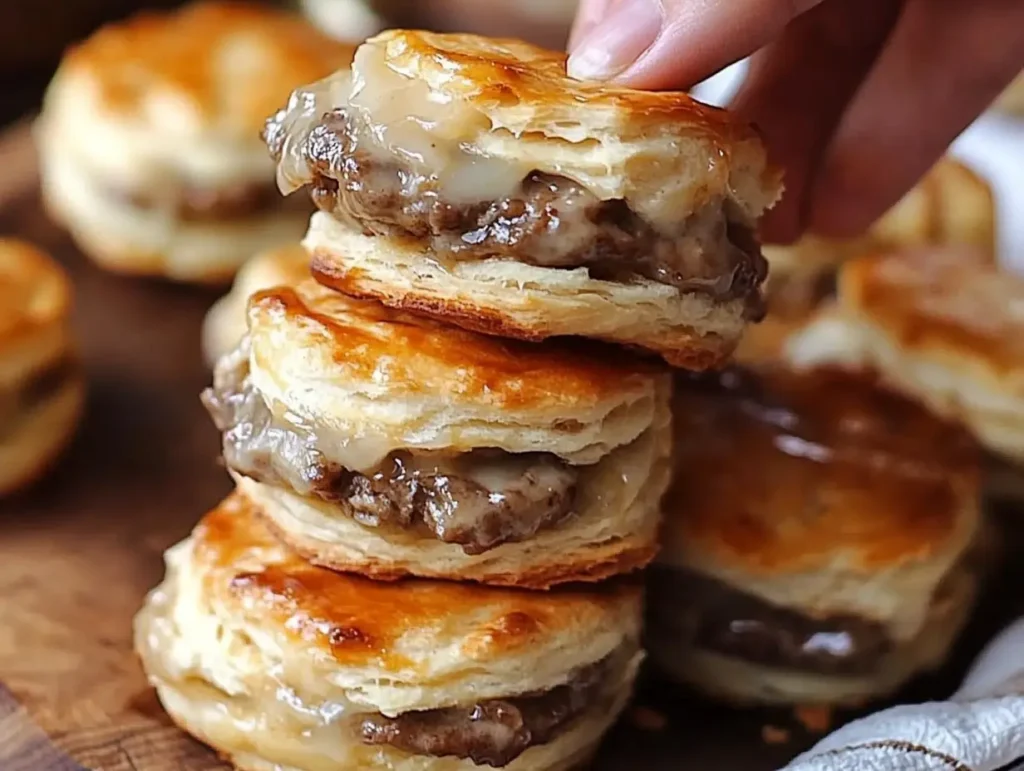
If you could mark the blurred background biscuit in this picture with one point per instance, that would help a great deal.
(42, 389)
(149, 137)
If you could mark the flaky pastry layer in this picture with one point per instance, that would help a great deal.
(368, 380)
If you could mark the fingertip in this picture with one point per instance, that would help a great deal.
(613, 44)
(588, 15)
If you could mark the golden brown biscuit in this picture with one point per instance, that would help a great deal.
(149, 137)
(392, 444)
(950, 205)
(224, 326)
(471, 179)
(41, 385)
(341, 672)
(815, 538)
(943, 325)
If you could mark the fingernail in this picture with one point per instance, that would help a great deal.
(587, 17)
(626, 31)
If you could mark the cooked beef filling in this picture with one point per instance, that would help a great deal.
(478, 500)
(553, 221)
(497, 731)
(706, 613)
(33, 391)
(234, 202)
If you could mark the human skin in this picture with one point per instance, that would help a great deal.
(855, 98)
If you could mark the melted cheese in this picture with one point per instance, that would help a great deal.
(398, 119)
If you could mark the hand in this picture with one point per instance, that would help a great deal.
(856, 98)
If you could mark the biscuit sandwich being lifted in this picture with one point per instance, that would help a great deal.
(472, 180)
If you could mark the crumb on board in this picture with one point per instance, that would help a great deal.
(771, 734)
(647, 719)
(816, 718)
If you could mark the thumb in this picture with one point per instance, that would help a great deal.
(672, 44)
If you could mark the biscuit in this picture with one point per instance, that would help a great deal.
(951, 205)
(397, 445)
(566, 199)
(224, 325)
(41, 385)
(149, 137)
(818, 538)
(942, 325)
(342, 672)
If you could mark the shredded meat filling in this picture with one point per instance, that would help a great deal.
(478, 500)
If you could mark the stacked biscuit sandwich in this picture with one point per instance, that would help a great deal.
(451, 442)
(823, 538)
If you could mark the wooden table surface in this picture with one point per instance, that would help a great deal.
(79, 552)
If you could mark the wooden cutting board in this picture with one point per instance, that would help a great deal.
(79, 552)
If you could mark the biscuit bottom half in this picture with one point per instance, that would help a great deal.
(278, 664)
(746, 650)
(502, 296)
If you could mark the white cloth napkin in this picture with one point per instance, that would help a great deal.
(980, 728)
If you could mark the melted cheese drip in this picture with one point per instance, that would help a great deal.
(296, 121)
(399, 119)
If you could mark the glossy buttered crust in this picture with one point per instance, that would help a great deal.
(249, 606)
(943, 325)
(820, 491)
(225, 322)
(613, 530)
(514, 300)
(359, 371)
(661, 151)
